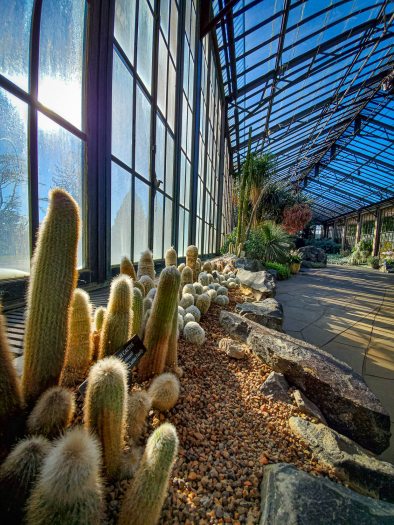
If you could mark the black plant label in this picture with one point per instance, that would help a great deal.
(130, 353)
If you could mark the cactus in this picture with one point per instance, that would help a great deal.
(139, 404)
(105, 409)
(222, 300)
(140, 286)
(194, 333)
(188, 288)
(10, 389)
(80, 342)
(203, 302)
(231, 248)
(138, 312)
(69, 489)
(180, 323)
(18, 474)
(52, 413)
(195, 312)
(146, 265)
(212, 294)
(207, 267)
(181, 311)
(147, 304)
(186, 276)
(99, 316)
(191, 260)
(159, 325)
(172, 352)
(164, 392)
(222, 290)
(144, 499)
(187, 300)
(152, 293)
(187, 319)
(147, 283)
(171, 257)
(118, 322)
(203, 279)
(239, 249)
(198, 288)
(127, 268)
(181, 267)
(52, 282)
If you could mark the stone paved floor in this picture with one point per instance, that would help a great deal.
(348, 312)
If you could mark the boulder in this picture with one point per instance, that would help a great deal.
(252, 265)
(342, 395)
(260, 284)
(306, 406)
(313, 254)
(267, 313)
(232, 348)
(275, 387)
(352, 464)
(293, 497)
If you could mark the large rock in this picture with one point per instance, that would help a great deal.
(293, 497)
(261, 284)
(342, 395)
(267, 313)
(313, 254)
(306, 406)
(232, 348)
(361, 471)
(252, 265)
(276, 387)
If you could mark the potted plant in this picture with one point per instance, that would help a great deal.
(295, 260)
(388, 262)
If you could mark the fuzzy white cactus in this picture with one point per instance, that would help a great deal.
(188, 319)
(164, 391)
(222, 290)
(181, 311)
(222, 300)
(195, 312)
(203, 302)
(187, 301)
(151, 294)
(180, 323)
(203, 278)
(212, 294)
(188, 288)
(194, 333)
(198, 288)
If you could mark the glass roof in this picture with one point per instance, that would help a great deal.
(305, 76)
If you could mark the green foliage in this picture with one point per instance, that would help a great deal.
(373, 262)
(337, 258)
(268, 242)
(294, 257)
(282, 270)
(230, 239)
(328, 245)
(365, 245)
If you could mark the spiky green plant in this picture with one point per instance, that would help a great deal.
(118, 322)
(127, 268)
(80, 343)
(52, 282)
(164, 391)
(69, 488)
(159, 324)
(144, 499)
(139, 404)
(105, 409)
(10, 390)
(191, 260)
(146, 265)
(99, 316)
(172, 352)
(52, 413)
(138, 312)
(269, 242)
(18, 474)
(171, 257)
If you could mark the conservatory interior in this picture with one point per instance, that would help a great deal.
(196, 262)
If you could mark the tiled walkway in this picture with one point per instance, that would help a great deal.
(348, 312)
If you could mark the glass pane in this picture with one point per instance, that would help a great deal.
(162, 77)
(170, 166)
(173, 30)
(181, 249)
(61, 58)
(15, 23)
(186, 231)
(60, 165)
(142, 135)
(158, 227)
(182, 180)
(14, 187)
(122, 111)
(160, 151)
(171, 95)
(141, 218)
(168, 225)
(187, 183)
(120, 214)
(164, 17)
(145, 43)
(125, 26)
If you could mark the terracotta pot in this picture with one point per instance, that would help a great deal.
(295, 267)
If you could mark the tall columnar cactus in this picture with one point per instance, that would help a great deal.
(140, 286)
(144, 499)
(118, 322)
(146, 265)
(105, 409)
(138, 312)
(159, 325)
(80, 342)
(69, 489)
(171, 257)
(52, 282)
(52, 413)
(172, 352)
(127, 268)
(99, 316)
(18, 474)
(191, 260)
(138, 408)
(186, 276)
(10, 389)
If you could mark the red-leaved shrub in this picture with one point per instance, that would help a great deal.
(296, 218)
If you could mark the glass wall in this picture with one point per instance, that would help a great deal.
(226, 223)
(42, 125)
(387, 230)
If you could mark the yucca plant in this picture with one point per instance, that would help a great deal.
(268, 242)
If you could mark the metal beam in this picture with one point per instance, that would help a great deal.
(218, 18)
(356, 179)
(344, 192)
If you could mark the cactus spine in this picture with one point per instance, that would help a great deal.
(105, 409)
(145, 497)
(52, 281)
(172, 352)
(146, 265)
(69, 489)
(127, 268)
(171, 257)
(138, 312)
(159, 325)
(118, 322)
(191, 260)
(80, 342)
(18, 474)
(137, 411)
(53, 412)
